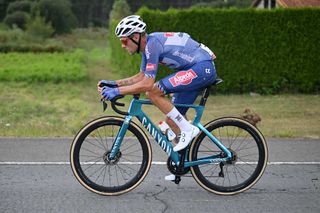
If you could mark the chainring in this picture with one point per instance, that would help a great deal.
(174, 169)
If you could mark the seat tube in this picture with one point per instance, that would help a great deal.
(118, 140)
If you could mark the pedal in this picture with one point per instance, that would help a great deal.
(177, 180)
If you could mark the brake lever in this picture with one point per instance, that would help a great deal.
(104, 104)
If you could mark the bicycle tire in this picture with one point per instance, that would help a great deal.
(245, 170)
(91, 167)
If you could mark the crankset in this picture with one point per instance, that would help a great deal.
(174, 169)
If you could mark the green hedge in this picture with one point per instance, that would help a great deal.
(43, 67)
(266, 51)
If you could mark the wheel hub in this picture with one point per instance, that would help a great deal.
(109, 161)
(233, 159)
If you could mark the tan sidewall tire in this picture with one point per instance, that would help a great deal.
(74, 170)
(263, 141)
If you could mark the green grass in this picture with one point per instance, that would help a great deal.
(282, 115)
(59, 110)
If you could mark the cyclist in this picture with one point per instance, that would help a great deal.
(192, 62)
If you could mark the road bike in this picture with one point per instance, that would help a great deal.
(112, 155)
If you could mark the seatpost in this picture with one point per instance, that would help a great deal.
(205, 96)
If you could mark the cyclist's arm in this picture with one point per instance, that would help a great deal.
(148, 67)
(136, 78)
(131, 80)
(143, 85)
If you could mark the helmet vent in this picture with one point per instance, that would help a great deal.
(120, 31)
(126, 30)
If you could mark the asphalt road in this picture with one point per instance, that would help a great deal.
(35, 177)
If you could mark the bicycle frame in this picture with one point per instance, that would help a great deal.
(160, 138)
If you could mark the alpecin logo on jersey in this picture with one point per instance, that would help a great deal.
(150, 67)
(183, 78)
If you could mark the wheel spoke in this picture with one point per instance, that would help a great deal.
(95, 171)
(95, 154)
(94, 163)
(95, 159)
(126, 148)
(100, 147)
(99, 141)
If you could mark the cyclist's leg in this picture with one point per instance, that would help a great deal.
(181, 98)
(187, 83)
(186, 93)
(184, 98)
(157, 97)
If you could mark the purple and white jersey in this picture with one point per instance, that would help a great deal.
(174, 50)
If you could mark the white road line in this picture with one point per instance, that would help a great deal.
(154, 163)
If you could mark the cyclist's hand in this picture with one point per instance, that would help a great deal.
(103, 83)
(109, 93)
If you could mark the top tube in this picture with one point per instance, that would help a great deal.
(135, 108)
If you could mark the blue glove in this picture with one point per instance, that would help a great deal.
(103, 83)
(109, 93)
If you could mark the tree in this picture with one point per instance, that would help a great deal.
(38, 29)
(59, 13)
(24, 6)
(18, 13)
(3, 8)
(17, 19)
(120, 9)
(92, 13)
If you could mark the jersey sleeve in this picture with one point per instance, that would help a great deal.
(143, 63)
(150, 58)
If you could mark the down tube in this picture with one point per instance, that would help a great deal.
(159, 137)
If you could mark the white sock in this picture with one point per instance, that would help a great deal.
(179, 119)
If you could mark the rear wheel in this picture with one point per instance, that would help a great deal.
(90, 162)
(250, 156)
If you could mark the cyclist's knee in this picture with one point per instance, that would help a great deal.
(154, 93)
(148, 94)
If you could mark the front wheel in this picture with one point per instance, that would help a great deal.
(90, 162)
(250, 156)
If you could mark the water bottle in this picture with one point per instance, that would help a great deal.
(165, 129)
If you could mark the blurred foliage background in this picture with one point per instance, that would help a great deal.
(52, 53)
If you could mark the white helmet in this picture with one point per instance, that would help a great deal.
(129, 25)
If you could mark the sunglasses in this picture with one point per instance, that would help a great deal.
(124, 41)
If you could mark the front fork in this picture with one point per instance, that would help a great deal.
(118, 140)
